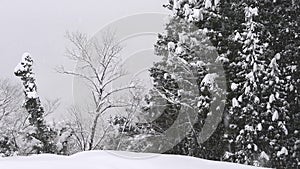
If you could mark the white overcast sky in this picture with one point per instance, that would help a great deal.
(39, 26)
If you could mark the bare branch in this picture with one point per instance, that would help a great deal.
(99, 65)
(51, 106)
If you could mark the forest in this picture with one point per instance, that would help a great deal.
(226, 88)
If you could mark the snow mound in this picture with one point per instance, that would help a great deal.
(113, 160)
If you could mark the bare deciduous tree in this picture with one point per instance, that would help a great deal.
(9, 98)
(99, 66)
(11, 116)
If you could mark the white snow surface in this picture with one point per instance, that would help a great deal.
(113, 160)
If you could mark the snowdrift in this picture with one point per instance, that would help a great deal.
(113, 160)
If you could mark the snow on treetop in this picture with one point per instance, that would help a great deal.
(251, 11)
(277, 56)
(25, 54)
(25, 64)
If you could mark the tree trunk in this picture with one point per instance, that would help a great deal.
(93, 132)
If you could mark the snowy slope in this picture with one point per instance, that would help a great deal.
(113, 160)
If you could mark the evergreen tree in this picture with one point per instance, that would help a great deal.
(257, 42)
(283, 36)
(185, 46)
(245, 110)
(40, 137)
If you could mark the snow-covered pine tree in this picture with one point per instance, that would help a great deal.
(171, 47)
(279, 34)
(246, 111)
(282, 34)
(183, 45)
(276, 109)
(187, 63)
(276, 91)
(220, 19)
(260, 54)
(40, 138)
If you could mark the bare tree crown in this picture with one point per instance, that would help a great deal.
(99, 65)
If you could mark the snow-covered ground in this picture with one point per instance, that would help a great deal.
(113, 160)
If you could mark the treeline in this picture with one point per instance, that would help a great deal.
(257, 44)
